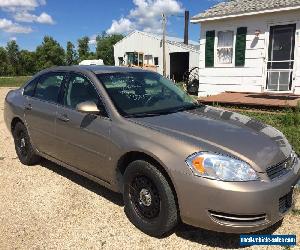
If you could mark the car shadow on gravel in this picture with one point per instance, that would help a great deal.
(84, 182)
(216, 239)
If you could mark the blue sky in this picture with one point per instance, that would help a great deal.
(28, 21)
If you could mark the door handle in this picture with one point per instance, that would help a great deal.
(63, 118)
(28, 107)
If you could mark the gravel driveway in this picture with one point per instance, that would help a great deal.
(46, 206)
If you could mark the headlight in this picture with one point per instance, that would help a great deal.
(220, 167)
(291, 161)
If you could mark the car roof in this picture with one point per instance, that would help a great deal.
(97, 69)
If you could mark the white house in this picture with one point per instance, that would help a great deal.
(145, 50)
(250, 46)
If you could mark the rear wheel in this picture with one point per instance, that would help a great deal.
(149, 200)
(24, 149)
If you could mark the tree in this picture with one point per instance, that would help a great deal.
(71, 54)
(28, 62)
(3, 62)
(49, 54)
(83, 48)
(104, 49)
(13, 55)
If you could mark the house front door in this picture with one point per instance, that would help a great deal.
(281, 58)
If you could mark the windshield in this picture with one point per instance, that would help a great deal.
(145, 93)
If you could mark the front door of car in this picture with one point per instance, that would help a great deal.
(83, 139)
(40, 111)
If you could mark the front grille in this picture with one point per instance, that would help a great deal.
(238, 219)
(285, 202)
(280, 169)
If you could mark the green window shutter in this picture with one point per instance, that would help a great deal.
(240, 46)
(209, 48)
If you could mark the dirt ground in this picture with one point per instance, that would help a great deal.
(48, 207)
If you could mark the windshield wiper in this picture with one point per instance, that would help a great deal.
(163, 112)
(142, 115)
(184, 108)
(149, 114)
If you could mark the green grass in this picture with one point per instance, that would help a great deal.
(288, 122)
(13, 81)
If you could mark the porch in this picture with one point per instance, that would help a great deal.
(265, 100)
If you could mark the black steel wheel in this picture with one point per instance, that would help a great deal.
(24, 149)
(21, 145)
(149, 199)
(144, 196)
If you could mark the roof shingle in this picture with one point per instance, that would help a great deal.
(235, 7)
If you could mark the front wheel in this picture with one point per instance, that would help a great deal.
(149, 200)
(24, 149)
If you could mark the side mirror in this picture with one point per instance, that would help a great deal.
(88, 107)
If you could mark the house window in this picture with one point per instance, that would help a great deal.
(132, 58)
(225, 47)
(135, 58)
(149, 59)
(156, 61)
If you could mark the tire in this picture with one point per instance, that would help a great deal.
(149, 200)
(24, 149)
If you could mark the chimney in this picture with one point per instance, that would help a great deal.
(186, 26)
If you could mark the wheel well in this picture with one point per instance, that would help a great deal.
(14, 122)
(129, 157)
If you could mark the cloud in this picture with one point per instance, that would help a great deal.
(30, 18)
(45, 18)
(146, 16)
(124, 25)
(22, 11)
(11, 27)
(93, 40)
(21, 3)
(13, 38)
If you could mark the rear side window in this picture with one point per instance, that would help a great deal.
(29, 88)
(48, 86)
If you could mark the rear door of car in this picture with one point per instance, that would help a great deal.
(83, 139)
(40, 111)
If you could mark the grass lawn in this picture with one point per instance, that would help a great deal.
(13, 81)
(288, 122)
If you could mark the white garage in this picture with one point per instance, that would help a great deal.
(141, 49)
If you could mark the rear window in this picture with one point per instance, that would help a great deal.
(48, 86)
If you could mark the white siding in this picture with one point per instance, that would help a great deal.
(251, 77)
(150, 45)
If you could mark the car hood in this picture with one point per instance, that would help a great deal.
(260, 145)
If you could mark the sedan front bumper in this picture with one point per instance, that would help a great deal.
(235, 207)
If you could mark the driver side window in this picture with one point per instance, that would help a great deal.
(80, 89)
